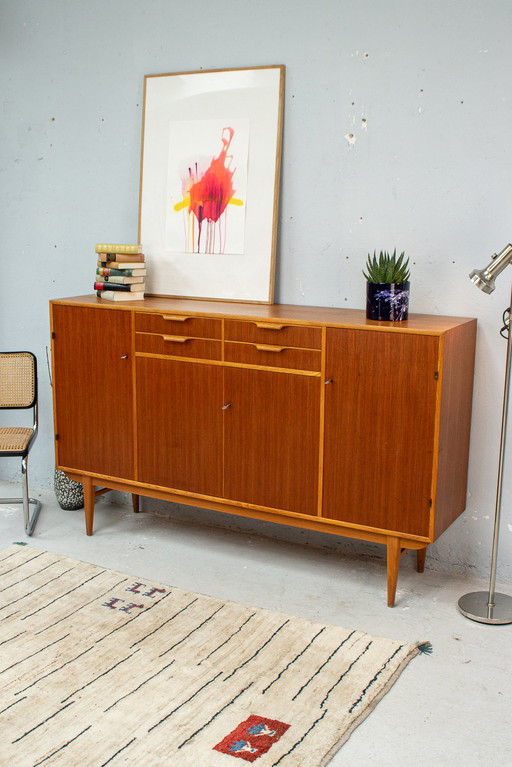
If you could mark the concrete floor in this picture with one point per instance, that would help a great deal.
(451, 707)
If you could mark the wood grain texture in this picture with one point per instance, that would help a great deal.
(179, 425)
(178, 346)
(92, 383)
(430, 324)
(167, 323)
(272, 439)
(379, 429)
(279, 356)
(264, 333)
(455, 424)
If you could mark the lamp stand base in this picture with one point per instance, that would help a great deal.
(476, 607)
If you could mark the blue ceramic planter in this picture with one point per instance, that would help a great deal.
(387, 300)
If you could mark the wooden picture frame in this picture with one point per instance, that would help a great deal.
(209, 182)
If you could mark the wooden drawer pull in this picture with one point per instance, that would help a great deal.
(268, 348)
(269, 326)
(174, 317)
(176, 339)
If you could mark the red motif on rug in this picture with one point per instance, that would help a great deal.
(252, 738)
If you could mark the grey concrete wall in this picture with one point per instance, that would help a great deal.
(397, 134)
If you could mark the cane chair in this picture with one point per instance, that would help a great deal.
(18, 390)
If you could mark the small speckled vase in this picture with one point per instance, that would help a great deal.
(387, 301)
(69, 494)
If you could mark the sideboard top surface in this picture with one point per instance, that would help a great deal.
(430, 324)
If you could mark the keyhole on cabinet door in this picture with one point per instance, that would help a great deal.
(329, 380)
(225, 407)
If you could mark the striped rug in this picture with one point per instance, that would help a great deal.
(100, 668)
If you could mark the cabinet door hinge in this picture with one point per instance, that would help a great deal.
(56, 436)
(436, 375)
(430, 502)
(53, 334)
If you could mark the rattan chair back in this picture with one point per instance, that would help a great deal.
(18, 380)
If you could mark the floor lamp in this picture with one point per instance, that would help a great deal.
(488, 606)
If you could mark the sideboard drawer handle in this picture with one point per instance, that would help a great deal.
(176, 339)
(269, 325)
(174, 317)
(268, 348)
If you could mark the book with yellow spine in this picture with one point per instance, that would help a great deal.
(116, 248)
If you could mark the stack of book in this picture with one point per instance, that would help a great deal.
(120, 272)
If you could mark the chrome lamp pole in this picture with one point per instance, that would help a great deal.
(483, 606)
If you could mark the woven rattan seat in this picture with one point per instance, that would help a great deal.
(18, 391)
(14, 438)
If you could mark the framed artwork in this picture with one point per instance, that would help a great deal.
(209, 185)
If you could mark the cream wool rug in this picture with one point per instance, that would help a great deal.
(100, 668)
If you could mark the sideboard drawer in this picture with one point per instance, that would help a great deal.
(178, 325)
(173, 345)
(272, 356)
(274, 333)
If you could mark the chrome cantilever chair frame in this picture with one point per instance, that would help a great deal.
(18, 390)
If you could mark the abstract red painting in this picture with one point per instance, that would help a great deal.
(206, 186)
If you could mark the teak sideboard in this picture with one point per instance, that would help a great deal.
(308, 416)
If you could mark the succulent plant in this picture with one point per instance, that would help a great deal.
(387, 268)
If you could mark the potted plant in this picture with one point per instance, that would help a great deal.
(387, 287)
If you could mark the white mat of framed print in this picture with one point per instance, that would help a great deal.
(210, 166)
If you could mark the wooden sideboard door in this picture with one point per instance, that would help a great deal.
(179, 425)
(93, 390)
(380, 411)
(271, 439)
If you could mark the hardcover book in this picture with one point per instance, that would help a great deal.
(121, 264)
(113, 295)
(118, 279)
(116, 248)
(138, 287)
(121, 257)
(106, 271)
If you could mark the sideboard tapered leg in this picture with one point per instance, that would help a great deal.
(89, 497)
(393, 561)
